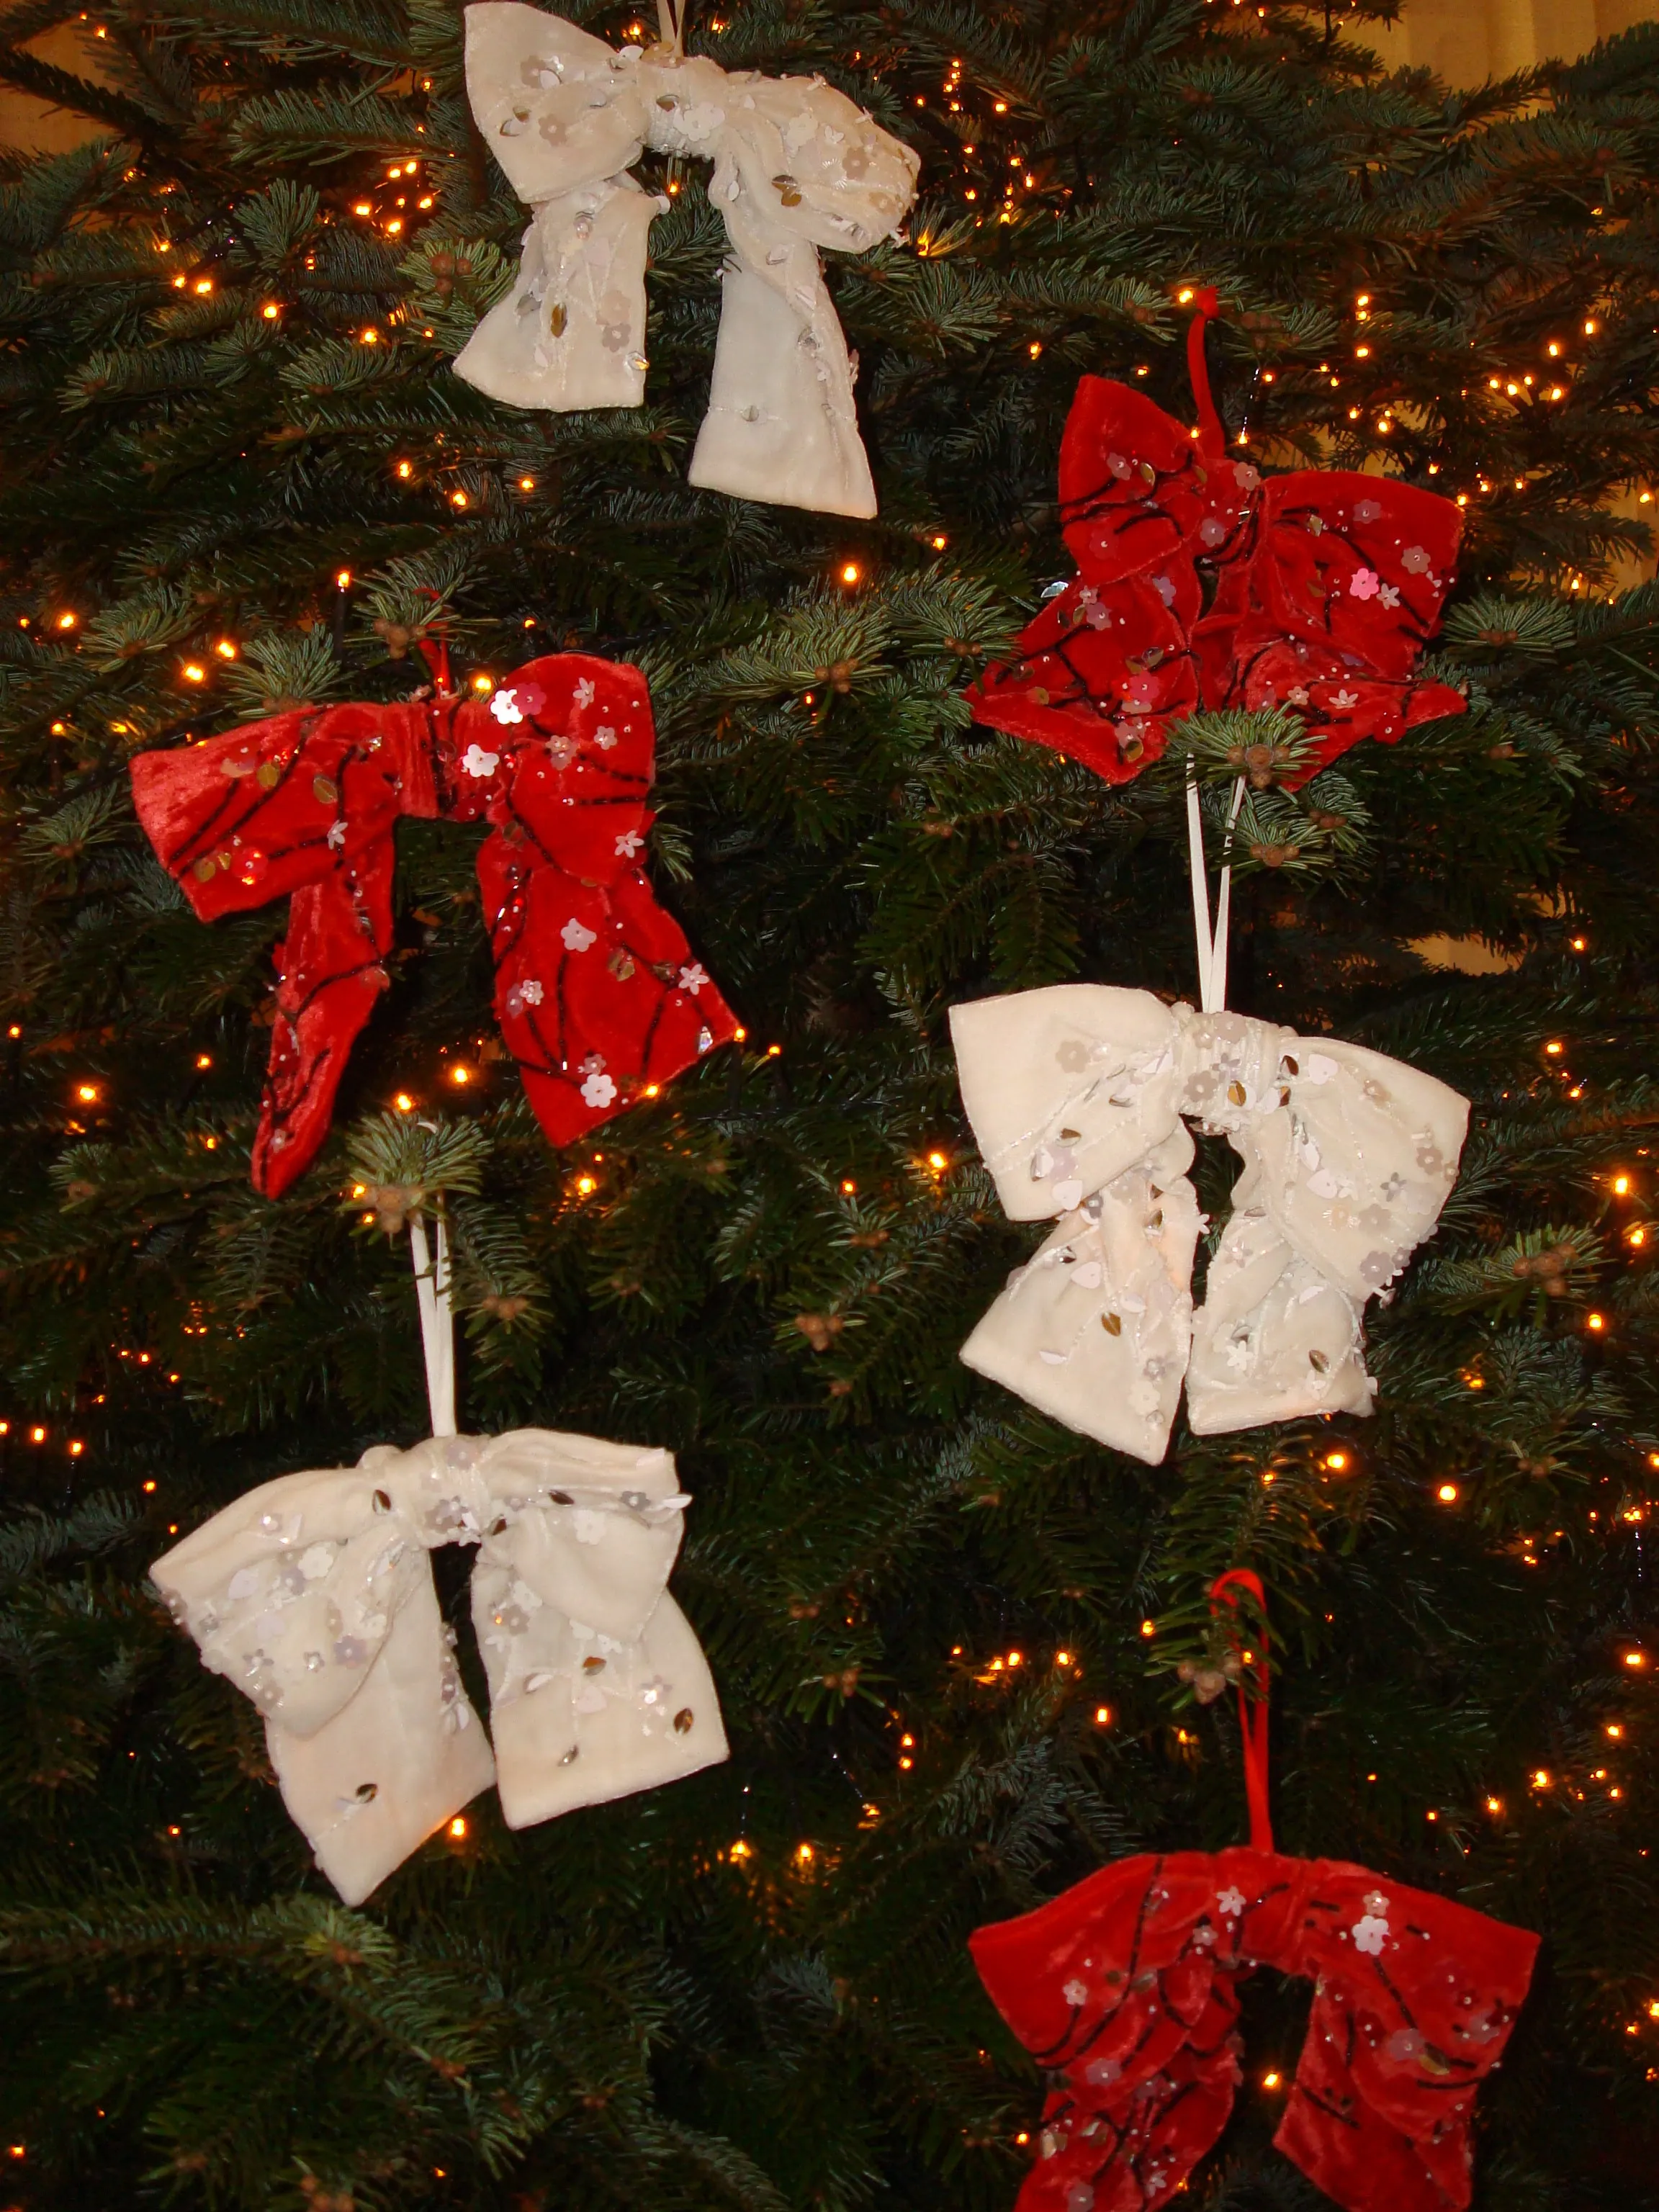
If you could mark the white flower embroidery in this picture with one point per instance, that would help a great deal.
(337, 836)
(576, 938)
(1364, 584)
(598, 1091)
(505, 707)
(1344, 700)
(530, 991)
(1232, 1902)
(585, 693)
(1367, 1934)
(692, 978)
(476, 762)
(1297, 696)
(604, 737)
(1389, 595)
(629, 843)
(1075, 1992)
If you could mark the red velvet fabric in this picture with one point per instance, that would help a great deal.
(1125, 1990)
(1324, 586)
(595, 990)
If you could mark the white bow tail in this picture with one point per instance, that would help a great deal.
(1076, 1095)
(315, 1595)
(797, 166)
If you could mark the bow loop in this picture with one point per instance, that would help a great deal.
(794, 158)
(1355, 1173)
(314, 1596)
(599, 1553)
(556, 107)
(1075, 1094)
(1067, 1088)
(797, 166)
(295, 1600)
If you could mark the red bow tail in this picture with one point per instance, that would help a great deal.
(303, 804)
(321, 1009)
(598, 996)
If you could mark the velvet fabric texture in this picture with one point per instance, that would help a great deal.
(1076, 1093)
(1125, 1990)
(598, 995)
(313, 1594)
(1324, 586)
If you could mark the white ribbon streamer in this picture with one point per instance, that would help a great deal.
(797, 166)
(1212, 946)
(315, 1595)
(1076, 1096)
(432, 1276)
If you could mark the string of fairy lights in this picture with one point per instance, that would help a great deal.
(396, 208)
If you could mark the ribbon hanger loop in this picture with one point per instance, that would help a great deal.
(1254, 1689)
(433, 1275)
(670, 25)
(1211, 945)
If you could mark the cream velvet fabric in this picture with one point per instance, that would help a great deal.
(313, 1593)
(1076, 1096)
(797, 166)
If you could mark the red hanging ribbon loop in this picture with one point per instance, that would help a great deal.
(1207, 309)
(1252, 1703)
(436, 657)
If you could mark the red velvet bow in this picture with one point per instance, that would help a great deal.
(1327, 584)
(596, 992)
(1125, 1990)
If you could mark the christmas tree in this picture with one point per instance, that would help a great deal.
(963, 1653)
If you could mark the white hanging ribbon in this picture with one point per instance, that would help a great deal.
(1212, 946)
(432, 1281)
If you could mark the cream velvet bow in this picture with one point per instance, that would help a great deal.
(313, 1593)
(1076, 1094)
(797, 166)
